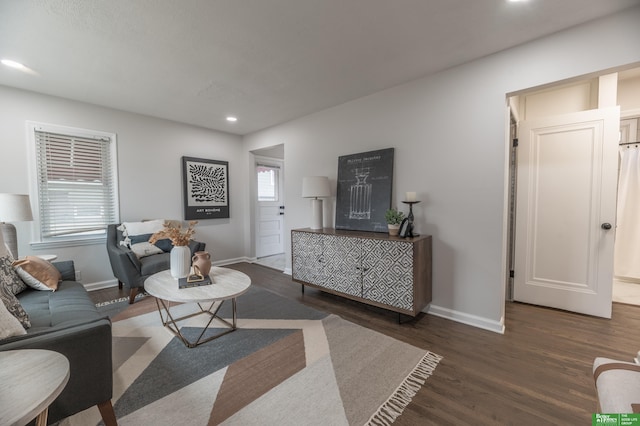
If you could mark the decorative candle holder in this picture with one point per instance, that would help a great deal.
(410, 233)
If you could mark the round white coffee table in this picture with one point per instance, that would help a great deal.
(30, 380)
(226, 284)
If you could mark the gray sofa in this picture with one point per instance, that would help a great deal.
(67, 321)
(130, 270)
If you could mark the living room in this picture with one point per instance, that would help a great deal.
(448, 128)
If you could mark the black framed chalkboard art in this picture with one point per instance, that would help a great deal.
(365, 182)
(205, 188)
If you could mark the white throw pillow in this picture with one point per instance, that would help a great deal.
(32, 281)
(139, 228)
(9, 325)
(145, 249)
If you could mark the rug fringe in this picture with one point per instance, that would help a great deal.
(121, 299)
(398, 401)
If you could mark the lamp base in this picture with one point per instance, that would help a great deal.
(316, 214)
(10, 237)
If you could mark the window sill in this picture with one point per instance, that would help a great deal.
(68, 243)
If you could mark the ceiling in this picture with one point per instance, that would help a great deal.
(263, 61)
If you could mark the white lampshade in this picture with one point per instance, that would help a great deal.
(15, 208)
(315, 186)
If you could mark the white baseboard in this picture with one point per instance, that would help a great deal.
(234, 260)
(287, 271)
(464, 318)
(101, 285)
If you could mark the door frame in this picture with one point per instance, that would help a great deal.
(261, 159)
(509, 219)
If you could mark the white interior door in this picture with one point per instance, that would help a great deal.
(270, 214)
(566, 211)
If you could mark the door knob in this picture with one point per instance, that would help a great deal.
(605, 226)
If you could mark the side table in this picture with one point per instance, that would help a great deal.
(30, 380)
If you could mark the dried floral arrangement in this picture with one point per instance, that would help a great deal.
(177, 236)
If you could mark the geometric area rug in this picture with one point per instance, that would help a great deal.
(286, 364)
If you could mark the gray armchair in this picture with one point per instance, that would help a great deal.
(130, 270)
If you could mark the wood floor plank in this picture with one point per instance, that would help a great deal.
(538, 372)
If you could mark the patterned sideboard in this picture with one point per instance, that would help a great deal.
(390, 272)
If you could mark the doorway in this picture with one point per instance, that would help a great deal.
(269, 209)
(624, 289)
(626, 284)
(628, 88)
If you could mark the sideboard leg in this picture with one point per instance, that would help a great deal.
(302, 286)
(409, 318)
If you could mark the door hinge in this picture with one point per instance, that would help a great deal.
(512, 273)
(515, 143)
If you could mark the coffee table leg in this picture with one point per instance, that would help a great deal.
(172, 323)
(233, 310)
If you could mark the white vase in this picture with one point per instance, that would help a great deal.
(180, 260)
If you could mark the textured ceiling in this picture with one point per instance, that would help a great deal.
(264, 61)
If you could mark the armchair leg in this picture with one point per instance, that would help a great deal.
(120, 285)
(107, 413)
(132, 295)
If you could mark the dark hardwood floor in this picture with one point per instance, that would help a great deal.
(538, 372)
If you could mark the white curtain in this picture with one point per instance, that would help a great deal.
(627, 246)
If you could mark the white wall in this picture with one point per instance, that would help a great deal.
(449, 131)
(149, 171)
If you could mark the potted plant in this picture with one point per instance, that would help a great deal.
(394, 219)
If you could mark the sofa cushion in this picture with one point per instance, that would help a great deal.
(13, 305)
(8, 276)
(152, 264)
(145, 227)
(137, 229)
(165, 244)
(9, 325)
(68, 306)
(38, 273)
(145, 249)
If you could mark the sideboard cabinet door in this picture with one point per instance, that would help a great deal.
(307, 260)
(388, 272)
(342, 258)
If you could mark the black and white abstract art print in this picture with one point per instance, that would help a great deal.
(205, 188)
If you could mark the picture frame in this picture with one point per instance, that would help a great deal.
(405, 228)
(365, 182)
(205, 187)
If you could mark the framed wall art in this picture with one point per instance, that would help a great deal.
(205, 188)
(365, 182)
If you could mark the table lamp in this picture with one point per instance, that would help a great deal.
(13, 208)
(315, 187)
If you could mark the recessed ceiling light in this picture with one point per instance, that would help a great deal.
(13, 64)
(232, 119)
(16, 65)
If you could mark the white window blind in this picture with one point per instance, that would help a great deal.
(76, 184)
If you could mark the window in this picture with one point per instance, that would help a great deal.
(76, 184)
(267, 182)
